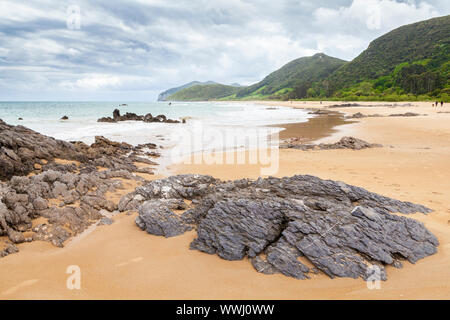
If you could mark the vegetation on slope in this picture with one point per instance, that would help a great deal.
(204, 92)
(294, 79)
(408, 63)
(164, 95)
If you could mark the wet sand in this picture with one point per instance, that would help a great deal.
(320, 126)
(122, 262)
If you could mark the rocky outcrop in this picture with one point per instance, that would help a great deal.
(67, 196)
(351, 143)
(134, 117)
(23, 151)
(406, 114)
(69, 202)
(350, 105)
(156, 217)
(359, 115)
(283, 225)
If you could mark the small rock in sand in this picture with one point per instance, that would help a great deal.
(106, 221)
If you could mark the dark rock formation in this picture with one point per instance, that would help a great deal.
(156, 217)
(79, 199)
(349, 105)
(106, 221)
(346, 105)
(345, 143)
(279, 223)
(134, 117)
(23, 151)
(64, 118)
(68, 196)
(22, 148)
(359, 115)
(7, 248)
(319, 112)
(406, 114)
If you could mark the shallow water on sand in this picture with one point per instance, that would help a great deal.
(208, 125)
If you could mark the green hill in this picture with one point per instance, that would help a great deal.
(294, 79)
(164, 95)
(204, 92)
(408, 63)
(411, 60)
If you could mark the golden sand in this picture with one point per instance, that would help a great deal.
(120, 261)
(64, 161)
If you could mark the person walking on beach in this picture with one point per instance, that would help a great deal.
(442, 103)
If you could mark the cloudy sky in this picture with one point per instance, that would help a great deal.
(132, 50)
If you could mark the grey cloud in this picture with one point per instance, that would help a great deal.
(133, 50)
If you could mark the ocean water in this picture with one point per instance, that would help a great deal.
(211, 122)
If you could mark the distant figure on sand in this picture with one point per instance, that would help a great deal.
(170, 103)
(442, 103)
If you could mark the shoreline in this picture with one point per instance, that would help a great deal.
(321, 126)
(136, 265)
(416, 145)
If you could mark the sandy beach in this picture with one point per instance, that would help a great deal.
(122, 262)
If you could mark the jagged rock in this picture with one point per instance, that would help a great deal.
(15, 236)
(57, 235)
(342, 230)
(53, 187)
(106, 119)
(156, 218)
(345, 143)
(134, 117)
(347, 105)
(21, 149)
(116, 114)
(319, 112)
(359, 115)
(406, 114)
(40, 204)
(25, 198)
(8, 248)
(106, 221)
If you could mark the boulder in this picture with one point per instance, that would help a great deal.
(285, 225)
(351, 143)
(156, 218)
(129, 116)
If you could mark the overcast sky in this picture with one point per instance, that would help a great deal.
(132, 50)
